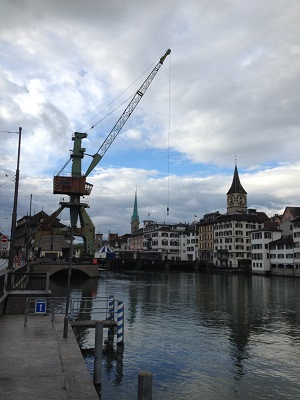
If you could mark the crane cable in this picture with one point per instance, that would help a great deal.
(101, 111)
(108, 105)
(169, 130)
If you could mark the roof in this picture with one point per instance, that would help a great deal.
(283, 239)
(257, 217)
(294, 211)
(236, 186)
(104, 249)
(35, 220)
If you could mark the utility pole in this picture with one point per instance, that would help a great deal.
(66, 319)
(14, 213)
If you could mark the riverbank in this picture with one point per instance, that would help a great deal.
(190, 266)
(38, 363)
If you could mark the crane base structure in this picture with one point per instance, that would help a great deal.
(73, 188)
(86, 230)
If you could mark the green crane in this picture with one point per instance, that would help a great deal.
(76, 186)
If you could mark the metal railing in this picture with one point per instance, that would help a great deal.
(95, 308)
(27, 281)
(2, 284)
(39, 306)
(100, 308)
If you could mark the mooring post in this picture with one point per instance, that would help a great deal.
(120, 323)
(98, 353)
(145, 385)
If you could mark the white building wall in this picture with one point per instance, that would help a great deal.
(282, 256)
(260, 240)
(296, 238)
(163, 238)
(234, 238)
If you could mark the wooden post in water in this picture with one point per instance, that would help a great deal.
(145, 385)
(98, 353)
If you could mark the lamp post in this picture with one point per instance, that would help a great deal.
(14, 213)
(66, 319)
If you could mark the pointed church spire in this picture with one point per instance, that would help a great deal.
(135, 220)
(236, 195)
(236, 186)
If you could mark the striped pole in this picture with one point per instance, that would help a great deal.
(120, 323)
(111, 307)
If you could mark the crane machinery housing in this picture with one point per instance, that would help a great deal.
(75, 186)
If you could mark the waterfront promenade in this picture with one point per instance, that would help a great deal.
(38, 363)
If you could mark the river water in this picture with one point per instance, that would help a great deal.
(203, 336)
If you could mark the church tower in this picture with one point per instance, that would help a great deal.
(236, 196)
(135, 220)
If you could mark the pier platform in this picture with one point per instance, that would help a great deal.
(38, 363)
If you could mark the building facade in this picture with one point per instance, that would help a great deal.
(188, 240)
(206, 237)
(260, 247)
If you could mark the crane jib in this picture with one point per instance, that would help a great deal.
(126, 113)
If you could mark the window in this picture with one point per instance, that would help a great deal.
(164, 242)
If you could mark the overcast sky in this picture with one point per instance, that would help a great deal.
(229, 90)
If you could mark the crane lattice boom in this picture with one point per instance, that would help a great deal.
(126, 114)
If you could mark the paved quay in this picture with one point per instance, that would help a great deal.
(38, 363)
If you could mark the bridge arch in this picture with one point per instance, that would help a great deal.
(90, 270)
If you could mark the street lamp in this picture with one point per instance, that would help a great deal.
(66, 319)
(14, 213)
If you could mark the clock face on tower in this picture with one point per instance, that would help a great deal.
(241, 200)
(230, 200)
(236, 200)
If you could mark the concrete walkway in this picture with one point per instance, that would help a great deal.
(38, 363)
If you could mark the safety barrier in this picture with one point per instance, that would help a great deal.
(39, 306)
(2, 284)
(27, 281)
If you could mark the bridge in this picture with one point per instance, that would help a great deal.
(53, 267)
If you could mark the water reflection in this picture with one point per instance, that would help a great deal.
(224, 336)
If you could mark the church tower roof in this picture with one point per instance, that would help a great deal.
(236, 186)
(135, 215)
(135, 219)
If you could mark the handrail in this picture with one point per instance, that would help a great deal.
(27, 281)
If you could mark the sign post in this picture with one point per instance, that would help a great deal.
(40, 306)
(4, 239)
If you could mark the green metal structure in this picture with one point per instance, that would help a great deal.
(75, 187)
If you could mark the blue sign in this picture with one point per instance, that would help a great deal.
(40, 306)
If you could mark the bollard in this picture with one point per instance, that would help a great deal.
(98, 353)
(120, 323)
(26, 311)
(145, 385)
(52, 312)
